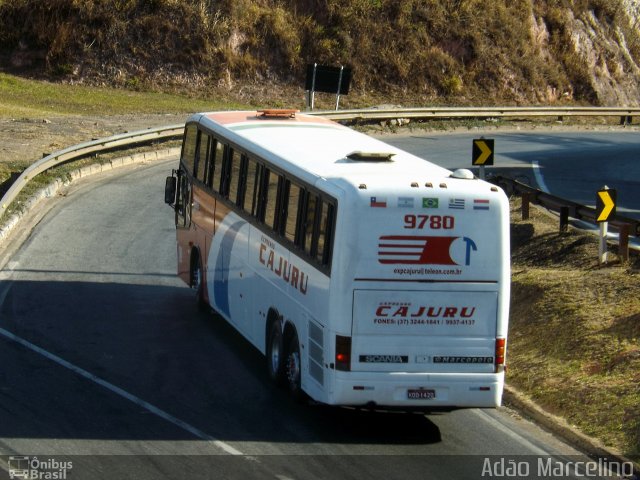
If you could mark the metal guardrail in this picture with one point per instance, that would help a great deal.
(557, 204)
(175, 131)
(625, 113)
(82, 150)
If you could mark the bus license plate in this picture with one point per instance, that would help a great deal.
(421, 394)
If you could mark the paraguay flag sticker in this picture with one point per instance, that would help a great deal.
(481, 204)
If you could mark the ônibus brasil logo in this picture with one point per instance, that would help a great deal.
(32, 468)
(423, 250)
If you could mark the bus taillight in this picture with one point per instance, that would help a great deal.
(343, 353)
(500, 352)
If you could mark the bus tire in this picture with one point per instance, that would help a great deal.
(293, 368)
(275, 354)
(197, 282)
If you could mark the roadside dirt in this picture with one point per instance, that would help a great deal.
(25, 140)
(574, 335)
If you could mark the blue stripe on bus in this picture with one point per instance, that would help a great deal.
(221, 276)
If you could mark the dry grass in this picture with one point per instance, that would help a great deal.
(453, 51)
(575, 331)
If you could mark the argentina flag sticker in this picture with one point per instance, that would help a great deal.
(405, 202)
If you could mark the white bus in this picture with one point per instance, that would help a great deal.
(367, 276)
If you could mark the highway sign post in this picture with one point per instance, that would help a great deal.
(324, 78)
(482, 154)
(605, 209)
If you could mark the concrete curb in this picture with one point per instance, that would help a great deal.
(560, 427)
(52, 189)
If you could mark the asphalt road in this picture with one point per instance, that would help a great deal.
(572, 165)
(106, 362)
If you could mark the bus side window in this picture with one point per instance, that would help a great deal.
(324, 233)
(211, 157)
(217, 161)
(189, 147)
(269, 198)
(201, 156)
(309, 223)
(292, 204)
(234, 175)
(225, 171)
(250, 184)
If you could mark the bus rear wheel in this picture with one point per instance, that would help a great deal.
(293, 368)
(275, 354)
(197, 283)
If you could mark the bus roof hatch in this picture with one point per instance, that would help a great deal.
(361, 156)
(278, 113)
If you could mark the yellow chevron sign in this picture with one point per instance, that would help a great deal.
(482, 152)
(605, 205)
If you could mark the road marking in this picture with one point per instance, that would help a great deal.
(536, 172)
(535, 450)
(122, 393)
(4, 293)
(5, 275)
(4, 465)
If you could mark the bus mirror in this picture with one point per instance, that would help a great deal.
(170, 190)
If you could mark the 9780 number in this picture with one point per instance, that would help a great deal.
(434, 222)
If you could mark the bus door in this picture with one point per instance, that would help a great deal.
(183, 223)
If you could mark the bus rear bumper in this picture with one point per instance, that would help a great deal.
(418, 390)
